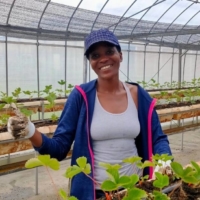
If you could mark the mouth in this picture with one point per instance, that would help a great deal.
(105, 67)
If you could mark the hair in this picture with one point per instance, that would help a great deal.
(92, 47)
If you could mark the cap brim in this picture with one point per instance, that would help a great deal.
(111, 42)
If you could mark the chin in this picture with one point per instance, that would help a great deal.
(108, 77)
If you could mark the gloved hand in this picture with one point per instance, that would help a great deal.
(164, 168)
(20, 126)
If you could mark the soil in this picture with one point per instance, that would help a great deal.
(37, 124)
(180, 192)
(176, 104)
(33, 99)
(168, 89)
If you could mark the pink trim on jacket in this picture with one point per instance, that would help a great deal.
(88, 131)
(150, 148)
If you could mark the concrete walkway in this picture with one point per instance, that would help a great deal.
(21, 185)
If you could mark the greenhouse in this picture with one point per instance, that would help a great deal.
(42, 61)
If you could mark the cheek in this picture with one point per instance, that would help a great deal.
(92, 64)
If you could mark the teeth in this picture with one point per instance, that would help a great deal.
(105, 67)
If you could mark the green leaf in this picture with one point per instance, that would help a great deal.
(63, 194)
(139, 165)
(81, 161)
(49, 162)
(72, 198)
(72, 171)
(134, 178)
(61, 82)
(54, 164)
(54, 117)
(87, 169)
(33, 162)
(147, 163)
(113, 174)
(196, 166)
(190, 179)
(188, 171)
(44, 159)
(2, 105)
(124, 180)
(161, 180)
(70, 86)
(177, 168)
(136, 194)
(108, 185)
(159, 196)
(26, 112)
(132, 159)
(109, 166)
(145, 177)
(27, 92)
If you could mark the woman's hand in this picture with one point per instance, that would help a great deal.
(20, 126)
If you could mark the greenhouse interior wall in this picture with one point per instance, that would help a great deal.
(31, 65)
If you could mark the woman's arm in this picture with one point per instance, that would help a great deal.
(36, 139)
(60, 144)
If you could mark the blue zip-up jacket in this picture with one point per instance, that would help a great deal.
(74, 125)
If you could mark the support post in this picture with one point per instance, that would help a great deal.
(36, 177)
(84, 68)
(128, 62)
(144, 72)
(38, 71)
(179, 68)
(6, 57)
(65, 66)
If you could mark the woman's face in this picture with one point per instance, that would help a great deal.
(105, 60)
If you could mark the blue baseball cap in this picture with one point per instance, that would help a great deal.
(101, 35)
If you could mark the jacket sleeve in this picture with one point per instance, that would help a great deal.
(160, 141)
(59, 145)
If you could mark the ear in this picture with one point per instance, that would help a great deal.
(121, 56)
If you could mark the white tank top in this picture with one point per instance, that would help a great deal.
(113, 137)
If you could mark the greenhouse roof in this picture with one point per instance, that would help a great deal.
(47, 20)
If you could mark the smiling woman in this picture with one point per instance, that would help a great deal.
(108, 119)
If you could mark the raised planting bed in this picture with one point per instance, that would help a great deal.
(35, 106)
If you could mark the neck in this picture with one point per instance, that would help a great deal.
(109, 86)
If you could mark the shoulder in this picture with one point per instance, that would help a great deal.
(87, 87)
(134, 92)
(133, 88)
(138, 91)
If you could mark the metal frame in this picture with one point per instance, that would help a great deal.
(124, 28)
(124, 15)
(144, 15)
(99, 14)
(133, 15)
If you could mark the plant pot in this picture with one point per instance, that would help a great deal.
(165, 115)
(192, 192)
(148, 187)
(59, 106)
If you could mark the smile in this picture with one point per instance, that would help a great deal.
(105, 67)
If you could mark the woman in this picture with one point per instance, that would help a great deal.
(108, 120)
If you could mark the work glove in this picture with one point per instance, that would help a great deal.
(163, 168)
(20, 126)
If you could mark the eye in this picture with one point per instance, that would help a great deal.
(110, 52)
(94, 56)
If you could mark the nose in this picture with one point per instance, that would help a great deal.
(104, 59)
